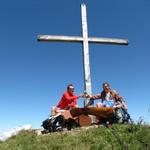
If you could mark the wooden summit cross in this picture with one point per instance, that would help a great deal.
(85, 40)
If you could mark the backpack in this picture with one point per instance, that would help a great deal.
(122, 116)
(54, 123)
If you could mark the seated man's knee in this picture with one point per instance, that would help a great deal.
(54, 111)
(57, 111)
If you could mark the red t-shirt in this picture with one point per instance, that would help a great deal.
(68, 100)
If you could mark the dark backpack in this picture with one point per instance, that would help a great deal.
(122, 116)
(54, 123)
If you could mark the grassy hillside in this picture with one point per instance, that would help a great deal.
(120, 137)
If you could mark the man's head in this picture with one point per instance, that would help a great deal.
(70, 88)
(106, 86)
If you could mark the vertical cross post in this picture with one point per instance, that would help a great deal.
(87, 76)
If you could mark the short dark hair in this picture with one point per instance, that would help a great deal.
(68, 86)
(105, 83)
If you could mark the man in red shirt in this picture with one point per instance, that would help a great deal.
(68, 100)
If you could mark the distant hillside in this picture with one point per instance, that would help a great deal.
(120, 137)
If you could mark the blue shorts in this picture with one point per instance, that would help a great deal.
(108, 103)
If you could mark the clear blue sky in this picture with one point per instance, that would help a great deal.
(34, 75)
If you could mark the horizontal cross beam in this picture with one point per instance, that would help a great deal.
(56, 38)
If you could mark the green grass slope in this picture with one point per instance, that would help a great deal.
(120, 137)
